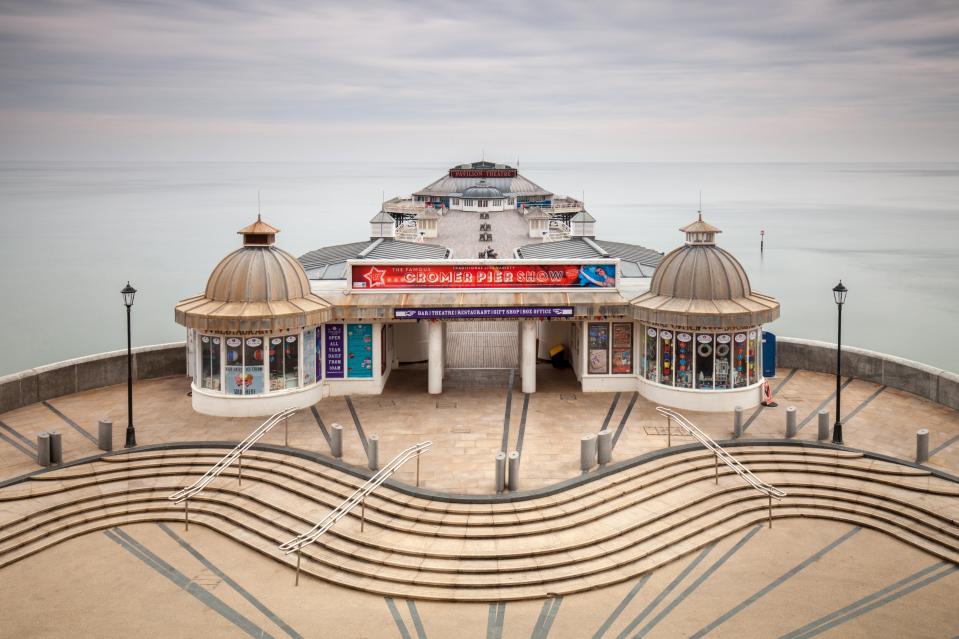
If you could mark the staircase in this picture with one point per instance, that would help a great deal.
(589, 536)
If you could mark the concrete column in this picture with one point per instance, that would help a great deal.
(587, 452)
(56, 448)
(43, 449)
(922, 445)
(435, 351)
(737, 422)
(445, 327)
(513, 463)
(500, 475)
(336, 440)
(604, 447)
(791, 422)
(823, 425)
(528, 351)
(519, 347)
(373, 452)
(105, 434)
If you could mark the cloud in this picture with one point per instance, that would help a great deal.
(638, 80)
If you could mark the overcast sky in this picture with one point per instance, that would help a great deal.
(429, 80)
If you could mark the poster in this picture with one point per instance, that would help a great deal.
(253, 366)
(622, 348)
(487, 275)
(309, 356)
(598, 349)
(234, 366)
(359, 349)
(334, 351)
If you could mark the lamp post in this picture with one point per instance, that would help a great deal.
(128, 292)
(839, 294)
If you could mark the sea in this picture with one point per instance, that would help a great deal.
(73, 233)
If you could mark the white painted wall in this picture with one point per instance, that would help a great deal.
(411, 340)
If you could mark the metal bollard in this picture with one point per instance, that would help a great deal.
(823, 425)
(336, 440)
(56, 448)
(513, 462)
(790, 422)
(922, 445)
(500, 473)
(500, 479)
(604, 447)
(737, 422)
(373, 452)
(587, 452)
(105, 434)
(43, 449)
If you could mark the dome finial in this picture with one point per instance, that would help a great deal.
(700, 232)
(259, 233)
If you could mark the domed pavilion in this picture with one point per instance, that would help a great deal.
(253, 331)
(701, 328)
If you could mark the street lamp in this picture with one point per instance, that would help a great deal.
(839, 294)
(128, 292)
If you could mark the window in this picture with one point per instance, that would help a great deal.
(753, 356)
(311, 360)
(469, 202)
(723, 355)
(597, 348)
(456, 201)
(704, 361)
(244, 366)
(484, 203)
(210, 362)
(684, 360)
(622, 348)
(666, 358)
(284, 362)
(740, 372)
(609, 348)
(651, 361)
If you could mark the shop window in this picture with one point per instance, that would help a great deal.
(484, 203)
(210, 362)
(754, 365)
(234, 366)
(722, 369)
(650, 356)
(253, 366)
(704, 361)
(740, 372)
(622, 348)
(666, 358)
(311, 363)
(684, 360)
(284, 362)
(598, 348)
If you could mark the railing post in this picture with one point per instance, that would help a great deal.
(716, 465)
(239, 475)
(186, 513)
(770, 510)
(669, 432)
(417, 469)
(286, 435)
(362, 514)
(296, 582)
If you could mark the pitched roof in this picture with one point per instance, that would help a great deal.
(329, 262)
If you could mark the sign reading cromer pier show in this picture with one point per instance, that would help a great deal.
(487, 312)
(452, 276)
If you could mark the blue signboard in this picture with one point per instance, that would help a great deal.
(769, 354)
(334, 351)
(359, 349)
(489, 312)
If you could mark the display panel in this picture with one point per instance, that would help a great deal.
(666, 358)
(622, 348)
(235, 382)
(723, 355)
(753, 355)
(333, 347)
(684, 360)
(210, 362)
(652, 338)
(310, 365)
(704, 361)
(598, 348)
(253, 366)
(359, 346)
(739, 360)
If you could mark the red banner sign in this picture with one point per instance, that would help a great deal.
(482, 173)
(398, 276)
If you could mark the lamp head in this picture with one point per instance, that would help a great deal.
(128, 292)
(839, 293)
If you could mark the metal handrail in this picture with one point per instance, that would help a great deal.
(357, 498)
(224, 462)
(721, 454)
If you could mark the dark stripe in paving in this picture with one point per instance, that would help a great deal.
(882, 602)
(417, 622)
(23, 450)
(762, 592)
(760, 408)
(356, 422)
(613, 616)
(400, 624)
(269, 614)
(319, 422)
(609, 414)
(699, 581)
(16, 434)
(494, 621)
(70, 422)
(509, 404)
(142, 553)
(822, 405)
(625, 418)
(865, 600)
(862, 405)
(522, 425)
(665, 593)
(944, 445)
(546, 617)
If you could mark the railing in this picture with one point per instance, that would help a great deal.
(358, 497)
(719, 453)
(234, 455)
(558, 230)
(407, 232)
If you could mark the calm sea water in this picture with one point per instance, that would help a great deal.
(74, 233)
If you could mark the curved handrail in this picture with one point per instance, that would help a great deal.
(747, 475)
(301, 541)
(224, 462)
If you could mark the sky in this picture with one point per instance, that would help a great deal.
(424, 80)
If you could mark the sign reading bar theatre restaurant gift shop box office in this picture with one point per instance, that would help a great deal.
(483, 275)
(483, 312)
